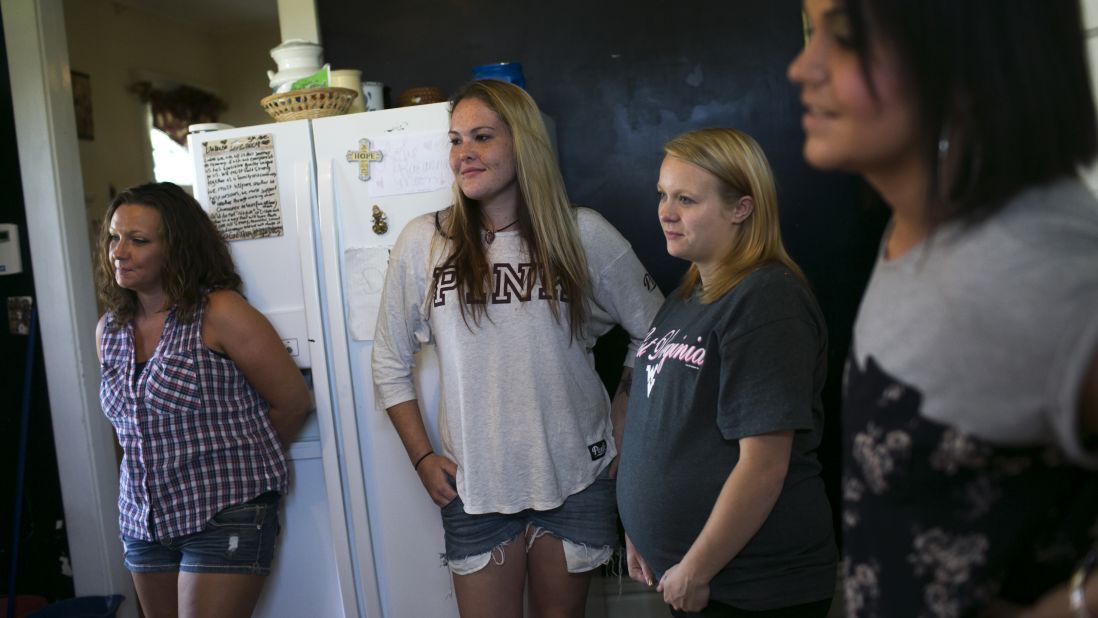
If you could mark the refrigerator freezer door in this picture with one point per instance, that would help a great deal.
(245, 179)
(264, 177)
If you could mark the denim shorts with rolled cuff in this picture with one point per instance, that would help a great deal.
(238, 539)
(586, 524)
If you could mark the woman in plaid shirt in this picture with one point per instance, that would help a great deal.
(204, 399)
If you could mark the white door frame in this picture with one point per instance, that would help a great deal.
(53, 196)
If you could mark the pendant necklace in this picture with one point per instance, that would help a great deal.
(490, 235)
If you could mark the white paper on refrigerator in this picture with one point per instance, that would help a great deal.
(365, 270)
(409, 163)
(242, 186)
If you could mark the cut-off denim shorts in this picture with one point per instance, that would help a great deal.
(586, 524)
(238, 539)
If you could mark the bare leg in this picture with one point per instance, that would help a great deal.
(554, 592)
(214, 595)
(157, 593)
(496, 590)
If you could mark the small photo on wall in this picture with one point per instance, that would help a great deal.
(82, 102)
(19, 314)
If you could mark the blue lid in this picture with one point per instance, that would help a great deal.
(503, 71)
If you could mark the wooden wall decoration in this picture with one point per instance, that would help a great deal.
(82, 104)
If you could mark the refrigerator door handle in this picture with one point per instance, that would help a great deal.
(304, 206)
(335, 340)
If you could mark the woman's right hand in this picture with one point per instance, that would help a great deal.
(638, 568)
(436, 472)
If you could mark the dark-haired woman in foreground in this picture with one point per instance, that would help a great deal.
(971, 396)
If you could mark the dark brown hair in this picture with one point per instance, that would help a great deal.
(196, 257)
(1002, 90)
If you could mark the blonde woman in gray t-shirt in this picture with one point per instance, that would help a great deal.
(720, 490)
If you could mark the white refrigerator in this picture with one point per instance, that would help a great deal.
(311, 208)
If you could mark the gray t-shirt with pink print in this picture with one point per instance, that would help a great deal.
(707, 376)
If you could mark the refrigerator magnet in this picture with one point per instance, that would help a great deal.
(363, 156)
(381, 222)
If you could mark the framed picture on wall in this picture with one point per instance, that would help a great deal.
(82, 102)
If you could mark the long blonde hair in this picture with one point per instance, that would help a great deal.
(738, 162)
(547, 220)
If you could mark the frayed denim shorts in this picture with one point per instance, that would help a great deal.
(586, 524)
(238, 539)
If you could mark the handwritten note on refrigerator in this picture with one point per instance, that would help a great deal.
(410, 163)
(365, 270)
(242, 185)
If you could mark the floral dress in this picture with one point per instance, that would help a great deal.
(938, 523)
(965, 477)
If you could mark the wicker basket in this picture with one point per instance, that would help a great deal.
(308, 103)
(421, 95)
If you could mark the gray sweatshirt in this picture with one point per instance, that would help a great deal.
(522, 410)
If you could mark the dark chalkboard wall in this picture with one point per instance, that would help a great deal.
(620, 79)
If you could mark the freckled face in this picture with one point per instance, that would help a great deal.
(847, 127)
(697, 222)
(482, 153)
(136, 248)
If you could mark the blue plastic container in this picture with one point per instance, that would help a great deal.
(503, 71)
(81, 607)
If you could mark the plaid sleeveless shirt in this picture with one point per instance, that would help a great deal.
(195, 435)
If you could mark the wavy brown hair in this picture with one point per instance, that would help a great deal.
(547, 220)
(196, 257)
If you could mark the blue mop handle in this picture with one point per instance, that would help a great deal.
(24, 421)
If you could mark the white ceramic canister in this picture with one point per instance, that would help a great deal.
(296, 58)
(297, 53)
(350, 78)
(374, 93)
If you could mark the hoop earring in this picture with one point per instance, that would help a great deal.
(942, 158)
(964, 166)
(943, 149)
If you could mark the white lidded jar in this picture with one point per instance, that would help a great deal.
(296, 58)
(297, 53)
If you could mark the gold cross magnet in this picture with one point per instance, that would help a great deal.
(363, 156)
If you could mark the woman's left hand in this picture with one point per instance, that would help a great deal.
(618, 407)
(682, 590)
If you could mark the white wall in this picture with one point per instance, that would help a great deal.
(117, 46)
(297, 20)
(1090, 19)
(243, 59)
